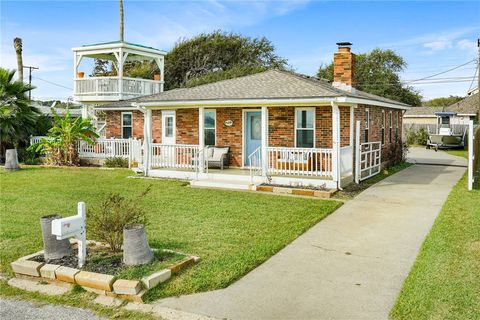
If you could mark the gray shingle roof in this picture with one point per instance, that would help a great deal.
(469, 105)
(271, 84)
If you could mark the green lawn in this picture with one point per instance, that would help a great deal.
(444, 282)
(458, 152)
(233, 232)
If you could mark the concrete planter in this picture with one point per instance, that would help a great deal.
(298, 191)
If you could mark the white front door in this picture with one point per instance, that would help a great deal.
(168, 127)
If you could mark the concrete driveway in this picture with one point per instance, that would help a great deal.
(351, 265)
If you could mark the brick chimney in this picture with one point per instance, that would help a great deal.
(343, 67)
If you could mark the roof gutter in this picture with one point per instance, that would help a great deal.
(270, 102)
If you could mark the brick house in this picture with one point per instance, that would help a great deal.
(279, 126)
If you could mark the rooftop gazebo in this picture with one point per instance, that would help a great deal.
(96, 90)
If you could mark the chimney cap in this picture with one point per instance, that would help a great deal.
(344, 44)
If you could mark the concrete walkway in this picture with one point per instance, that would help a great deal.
(351, 265)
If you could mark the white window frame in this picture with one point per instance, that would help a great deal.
(214, 126)
(131, 125)
(314, 125)
(390, 126)
(382, 128)
(366, 131)
(173, 114)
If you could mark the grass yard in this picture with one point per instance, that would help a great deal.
(444, 282)
(233, 232)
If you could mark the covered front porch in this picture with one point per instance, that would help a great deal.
(258, 149)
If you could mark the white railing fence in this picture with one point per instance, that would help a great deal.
(36, 139)
(473, 155)
(299, 161)
(367, 157)
(173, 156)
(106, 86)
(255, 163)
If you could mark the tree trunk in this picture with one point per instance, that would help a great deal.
(53, 248)
(11, 160)
(121, 20)
(17, 44)
(135, 245)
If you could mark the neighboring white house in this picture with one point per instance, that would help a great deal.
(464, 110)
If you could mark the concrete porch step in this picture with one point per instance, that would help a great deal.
(223, 184)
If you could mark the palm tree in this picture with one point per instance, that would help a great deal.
(17, 44)
(17, 117)
(121, 20)
(60, 146)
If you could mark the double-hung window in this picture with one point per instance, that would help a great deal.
(209, 132)
(127, 125)
(367, 124)
(382, 121)
(390, 127)
(305, 128)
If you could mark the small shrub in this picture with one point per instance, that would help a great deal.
(29, 156)
(411, 137)
(422, 137)
(106, 222)
(396, 152)
(116, 162)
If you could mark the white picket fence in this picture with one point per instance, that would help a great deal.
(106, 148)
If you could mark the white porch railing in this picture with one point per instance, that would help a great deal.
(178, 156)
(109, 86)
(255, 163)
(36, 139)
(104, 148)
(300, 161)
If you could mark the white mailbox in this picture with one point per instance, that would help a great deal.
(73, 226)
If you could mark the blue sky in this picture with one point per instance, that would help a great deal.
(431, 36)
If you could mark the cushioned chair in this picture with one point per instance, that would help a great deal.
(217, 156)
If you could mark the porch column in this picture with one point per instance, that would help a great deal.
(264, 141)
(120, 74)
(336, 143)
(147, 135)
(201, 138)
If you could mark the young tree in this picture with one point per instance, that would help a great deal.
(60, 146)
(377, 72)
(17, 117)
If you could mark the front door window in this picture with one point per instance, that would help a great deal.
(168, 127)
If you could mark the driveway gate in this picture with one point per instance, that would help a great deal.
(367, 157)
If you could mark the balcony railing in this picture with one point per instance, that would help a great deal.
(108, 88)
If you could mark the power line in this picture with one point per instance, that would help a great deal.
(439, 73)
(53, 83)
(473, 79)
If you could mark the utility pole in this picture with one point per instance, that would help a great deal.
(30, 79)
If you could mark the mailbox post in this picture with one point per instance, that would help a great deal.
(73, 226)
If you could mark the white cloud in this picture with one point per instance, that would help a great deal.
(467, 45)
(440, 44)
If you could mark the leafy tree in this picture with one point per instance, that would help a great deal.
(215, 52)
(103, 68)
(60, 145)
(17, 117)
(377, 72)
(443, 101)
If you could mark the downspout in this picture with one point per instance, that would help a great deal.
(336, 140)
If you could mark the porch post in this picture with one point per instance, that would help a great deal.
(147, 135)
(201, 138)
(336, 144)
(264, 148)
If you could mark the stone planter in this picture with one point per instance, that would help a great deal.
(11, 160)
(53, 248)
(136, 250)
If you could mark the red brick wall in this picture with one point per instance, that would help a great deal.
(114, 124)
(230, 136)
(375, 132)
(281, 126)
(187, 126)
(323, 130)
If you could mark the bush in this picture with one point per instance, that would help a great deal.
(411, 137)
(29, 156)
(106, 222)
(422, 137)
(396, 152)
(116, 162)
